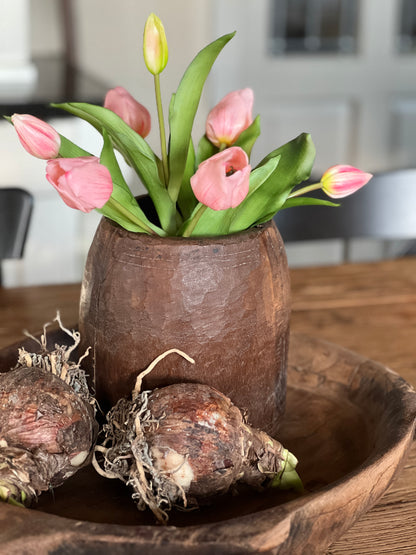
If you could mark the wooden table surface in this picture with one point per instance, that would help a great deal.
(368, 308)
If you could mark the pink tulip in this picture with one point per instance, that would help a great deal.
(222, 181)
(38, 137)
(83, 182)
(136, 116)
(230, 117)
(341, 181)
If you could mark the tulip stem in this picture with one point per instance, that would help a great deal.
(113, 203)
(191, 224)
(161, 129)
(307, 189)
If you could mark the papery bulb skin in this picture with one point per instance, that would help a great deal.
(191, 444)
(122, 103)
(47, 424)
(343, 180)
(222, 181)
(83, 183)
(230, 117)
(37, 137)
(40, 411)
(155, 45)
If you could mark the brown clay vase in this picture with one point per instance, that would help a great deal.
(222, 300)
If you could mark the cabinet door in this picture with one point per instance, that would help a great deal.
(357, 99)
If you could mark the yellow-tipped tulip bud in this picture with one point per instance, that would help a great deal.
(155, 46)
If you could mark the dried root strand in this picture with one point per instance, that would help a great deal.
(138, 386)
(125, 454)
(22, 476)
(58, 360)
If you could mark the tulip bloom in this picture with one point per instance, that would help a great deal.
(120, 101)
(37, 137)
(155, 45)
(341, 181)
(83, 182)
(222, 181)
(230, 117)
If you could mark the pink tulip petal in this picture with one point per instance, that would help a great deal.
(120, 101)
(230, 117)
(343, 180)
(37, 137)
(239, 193)
(214, 185)
(83, 183)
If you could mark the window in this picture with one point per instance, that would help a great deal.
(407, 27)
(313, 26)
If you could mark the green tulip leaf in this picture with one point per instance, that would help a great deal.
(260, 174)
(205, 150)
(135, 150)
(295, 166)
(298, 158)
(186, 199)
(122, 207)
(249, 136)
(214, 222)
(120, 199)
(68, 149)
(300, 201)
(183, 109)
(109, 160)
(307, 201)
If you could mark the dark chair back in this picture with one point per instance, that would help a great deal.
(385, 209)
(15, 212)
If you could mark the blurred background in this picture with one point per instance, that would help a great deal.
(343, 70)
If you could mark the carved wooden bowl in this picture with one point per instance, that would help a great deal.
(349, 420)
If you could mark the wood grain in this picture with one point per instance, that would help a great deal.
(29, 308)
(368, 308)
(390, 527)
(349, 420)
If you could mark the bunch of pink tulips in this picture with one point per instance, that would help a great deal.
(210, 190)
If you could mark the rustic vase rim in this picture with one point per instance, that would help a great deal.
(241, 236)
